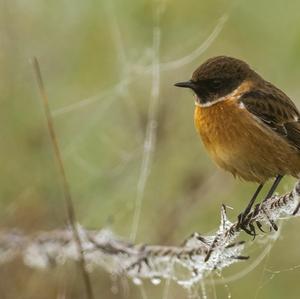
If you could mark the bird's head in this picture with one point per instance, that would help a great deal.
(217, 77)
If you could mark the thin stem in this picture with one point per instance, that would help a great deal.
(66, 188)
(151, 132)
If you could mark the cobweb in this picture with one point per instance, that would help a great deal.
(148, 64)
(129, 71)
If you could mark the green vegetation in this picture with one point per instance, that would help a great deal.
(86, 49)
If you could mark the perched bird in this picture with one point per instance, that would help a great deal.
(249, 127)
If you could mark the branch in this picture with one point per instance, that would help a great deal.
(66, 188)
(186, 264)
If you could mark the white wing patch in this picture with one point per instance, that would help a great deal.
(241, 105)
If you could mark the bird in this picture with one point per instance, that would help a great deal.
(249, 127)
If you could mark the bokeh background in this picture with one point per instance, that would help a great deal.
(126, 134)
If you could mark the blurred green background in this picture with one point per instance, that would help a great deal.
(97, 62)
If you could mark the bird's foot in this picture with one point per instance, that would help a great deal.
(244, 223)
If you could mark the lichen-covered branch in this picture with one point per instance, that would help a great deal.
(185, 264)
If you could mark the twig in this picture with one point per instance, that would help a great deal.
(183, 264)
(66, 188)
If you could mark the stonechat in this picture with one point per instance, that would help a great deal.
(249, 126)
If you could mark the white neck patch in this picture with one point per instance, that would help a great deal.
(208, 104)
(234, 93)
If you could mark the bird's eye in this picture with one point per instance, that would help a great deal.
(216, 83)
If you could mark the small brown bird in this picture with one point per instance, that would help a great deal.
(249, 127)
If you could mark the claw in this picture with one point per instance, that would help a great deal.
(273, 225)
(296, 210)
(252, 229)
(244, 222)
(260, 227)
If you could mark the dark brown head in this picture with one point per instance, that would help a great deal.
(217, 77)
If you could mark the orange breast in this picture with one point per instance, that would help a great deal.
(242, 145)
(219, 126)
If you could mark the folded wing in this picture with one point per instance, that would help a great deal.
(276, 110)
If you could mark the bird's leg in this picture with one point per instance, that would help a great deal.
(270, 193)
(243, 216)
(274, 186)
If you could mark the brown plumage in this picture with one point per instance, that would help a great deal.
(249, 127)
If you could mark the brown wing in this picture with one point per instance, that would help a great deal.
(276, 110)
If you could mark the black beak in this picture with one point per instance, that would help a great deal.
(188, 84)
